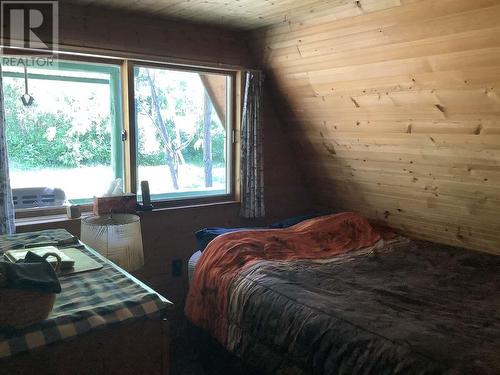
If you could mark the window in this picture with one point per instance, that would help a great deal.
(77, 136)
(69, 138)
(183, 129)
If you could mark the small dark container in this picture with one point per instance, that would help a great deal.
(73, 211)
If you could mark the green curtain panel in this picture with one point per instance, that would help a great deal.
(7, 225)
(252, 159)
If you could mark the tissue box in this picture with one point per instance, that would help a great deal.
(117, 204)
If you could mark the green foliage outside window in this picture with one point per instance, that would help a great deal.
(46, 139)
(41, 139)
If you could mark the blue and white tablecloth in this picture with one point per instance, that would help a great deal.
(88, 301)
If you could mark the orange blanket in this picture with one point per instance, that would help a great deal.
(229, 254)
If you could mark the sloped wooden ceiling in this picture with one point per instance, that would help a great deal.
(236, 14)
(396, 113)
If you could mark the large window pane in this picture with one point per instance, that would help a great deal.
(182, 132)
(69, 137)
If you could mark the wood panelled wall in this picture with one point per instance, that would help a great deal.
(169, 234)
(128, 33)
(395, 112)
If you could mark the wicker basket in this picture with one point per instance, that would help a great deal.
(21, 308)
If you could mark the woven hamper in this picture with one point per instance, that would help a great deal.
(21, 308)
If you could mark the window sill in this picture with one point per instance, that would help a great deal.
(43, 219)
(47, 219)
(188, 206)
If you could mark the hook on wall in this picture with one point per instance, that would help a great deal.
(26, 98)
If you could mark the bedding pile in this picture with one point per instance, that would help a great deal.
(330, 296)
(229, 254)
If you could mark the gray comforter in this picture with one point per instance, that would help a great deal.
(414, 308)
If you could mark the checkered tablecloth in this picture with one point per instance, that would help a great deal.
(89, 300)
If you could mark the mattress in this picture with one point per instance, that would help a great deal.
(192, 264)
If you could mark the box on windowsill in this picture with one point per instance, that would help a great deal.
(126, 204)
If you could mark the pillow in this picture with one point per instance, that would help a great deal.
(294, 220)
(205, 235)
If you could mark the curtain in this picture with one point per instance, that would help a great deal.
(7, 225)
(252, 168)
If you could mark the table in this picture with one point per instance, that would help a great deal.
(103, 322)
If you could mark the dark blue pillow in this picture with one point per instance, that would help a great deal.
(205, 235)
(294, 220)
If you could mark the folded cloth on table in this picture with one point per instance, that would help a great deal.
(33, 273)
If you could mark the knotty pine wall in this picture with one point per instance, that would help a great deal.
(395, 112)
(168, 233)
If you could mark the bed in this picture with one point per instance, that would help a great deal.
(334, 295)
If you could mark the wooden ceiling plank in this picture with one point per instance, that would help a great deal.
(244, 14)
(403, 15)
(442, 28)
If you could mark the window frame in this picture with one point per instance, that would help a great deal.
(131, 141)
(127, 116)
